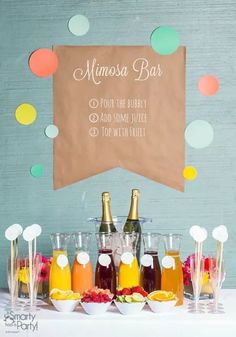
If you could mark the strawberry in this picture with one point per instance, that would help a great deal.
(144, 293)
(126, 291)
(118, 292)
(137, 289)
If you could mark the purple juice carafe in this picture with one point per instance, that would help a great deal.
(105, 275)
(150, 271)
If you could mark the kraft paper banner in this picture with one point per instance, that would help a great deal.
(119, 106)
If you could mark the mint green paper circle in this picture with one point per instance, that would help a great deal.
(165, 40)
(199, 134)
(37, 170)
(51, 131)
(78, 25)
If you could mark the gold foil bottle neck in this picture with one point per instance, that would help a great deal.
(106, 208)
(133, 212)
(106, 196)
(135, 193)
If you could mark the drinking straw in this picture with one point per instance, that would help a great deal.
(219, 263)
(198, 258)
(11, 234)
(30, 273)
(199, 235)
(220, 234)
(12, 289)
(29, 235)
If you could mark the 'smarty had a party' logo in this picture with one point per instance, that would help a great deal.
(17, 322)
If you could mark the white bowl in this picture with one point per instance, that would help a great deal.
(130, 308)
(161, 307)
(65, 305)
(95, 308)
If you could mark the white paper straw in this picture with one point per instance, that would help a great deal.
(30, 273)
(219, 263)
(12, 272)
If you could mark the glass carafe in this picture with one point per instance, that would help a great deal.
(150, 271)
(60, 275)
(105, 275)
(172, 273)
(82, 271)
(128, 275)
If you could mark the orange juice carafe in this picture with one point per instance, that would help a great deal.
(82, 272)
(60, 275)
(172, 273)
(128, 275)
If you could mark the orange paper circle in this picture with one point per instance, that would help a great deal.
(43, 62)
(208, 85)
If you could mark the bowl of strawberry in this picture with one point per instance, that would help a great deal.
(96, 301)
(130, 301)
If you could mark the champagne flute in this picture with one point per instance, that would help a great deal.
(197, 267)
(217, 277)
(13, 267)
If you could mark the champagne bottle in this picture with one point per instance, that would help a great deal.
(132, 223)
(107, 224)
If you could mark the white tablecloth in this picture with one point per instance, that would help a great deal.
(179, 323)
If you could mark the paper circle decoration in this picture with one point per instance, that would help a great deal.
(62, 260)
(37, 170)
(29, 234)
(13, 231)
(190, 173)
(78, 25)
(199, 134)
(165, 40)
(146, 260)
(25, 114)
(168, 262)
(208, 85)
(43, 62)
(83, 258)
(127, 258)
(104, 260)
(51, 131)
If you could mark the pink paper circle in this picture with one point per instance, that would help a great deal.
(208, 85)
(43, 62)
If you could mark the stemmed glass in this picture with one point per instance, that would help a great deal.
(32, 281)
(217, 277)
(197, 267)
(13, 267)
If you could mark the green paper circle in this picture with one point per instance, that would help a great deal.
(37, 170)
(165, 40)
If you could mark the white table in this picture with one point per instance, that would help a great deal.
(180, 323)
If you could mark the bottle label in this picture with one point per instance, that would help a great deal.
(104, 260)
(127, 258)
(62, 261)
(147, 260)
(168, 262)
(83, 258)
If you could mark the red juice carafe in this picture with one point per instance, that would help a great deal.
(105, 275)
(150, 273)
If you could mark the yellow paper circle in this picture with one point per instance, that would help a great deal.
(25, 114)
(190, 173)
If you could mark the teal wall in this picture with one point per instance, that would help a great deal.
(207, 28)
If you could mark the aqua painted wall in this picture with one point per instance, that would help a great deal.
(207, 29)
